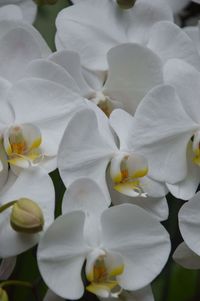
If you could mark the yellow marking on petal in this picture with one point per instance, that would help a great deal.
(127, 185)
(9, 150)
(117, 271)
(96, 287)
(140, 173)
(196, 160)
(36, 143)
(118, 178)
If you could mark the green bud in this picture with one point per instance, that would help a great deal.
(26, 217)
(126, 4)
(3, 295)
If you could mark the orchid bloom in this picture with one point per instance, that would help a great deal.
(35, 114)
(89, 146)
(115, 258)
(34, 185)
(148, 23)
(188, 253)
(121, 87)
(18, 9)
(168, 126)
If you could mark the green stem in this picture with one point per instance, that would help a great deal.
(16, 283)
(6, 206)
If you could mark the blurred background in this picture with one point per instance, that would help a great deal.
(174, 283)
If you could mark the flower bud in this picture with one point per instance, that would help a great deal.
(126, 4)
(26, 217)
(3, 295)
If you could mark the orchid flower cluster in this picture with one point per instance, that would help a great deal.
(116, 109)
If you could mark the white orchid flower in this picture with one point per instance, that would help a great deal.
(148, 23)
(88, 150)
(18, 9)
(35, 114)
(113, 253)
(122, 86)
(188, 253)
(34, 185)
(20, 43)
(168, 125)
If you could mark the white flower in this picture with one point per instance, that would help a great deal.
(188, 253)
(126, 249)
(147, 23)
(89, 145)
(133, 70)
(33, 184)
(34, 116)
(18, 9)
(167, 127)
(50, 296)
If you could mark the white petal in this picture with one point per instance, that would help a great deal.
(50, 296)
(186, 257)
(7, 25)
(6, 267)
(48, 70)
(177, 5)
(84, 150)
(84, 194)
(161, 132)
(60, 257)
(70, 61)
(145, 294)
(133, 71)
(29, 10)
(122, 123)
(177, 73)
(187, 188)
(36, 185)
(170, 42)
(193, 33)
(10, 12)
(141, 241)
(189, 223)
(17, 49)
(158, 207)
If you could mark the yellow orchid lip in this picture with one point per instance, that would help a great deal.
(126, 172)
(103, 279)
(22, 145)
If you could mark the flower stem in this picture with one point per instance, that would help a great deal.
(6, 206)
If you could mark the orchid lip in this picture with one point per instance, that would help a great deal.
(126, 170)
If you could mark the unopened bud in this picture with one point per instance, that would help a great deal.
(26, 217)
(3, 295)
(126, 4)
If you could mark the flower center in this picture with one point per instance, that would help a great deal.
(103, 102)
(126, 172)
(22, 145)
(103, 276)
